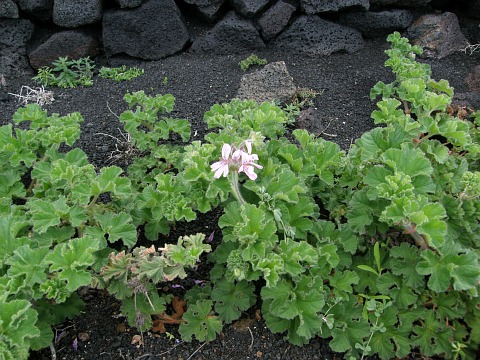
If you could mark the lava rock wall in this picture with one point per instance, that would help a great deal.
(33, 33)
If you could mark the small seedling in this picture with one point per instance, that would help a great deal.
(251, 60)
(302, 99)
(120, 73)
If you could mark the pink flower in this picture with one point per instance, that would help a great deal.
(247, 159)
(221, 167)
(237, 160)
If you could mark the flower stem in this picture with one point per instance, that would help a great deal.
(236, 189)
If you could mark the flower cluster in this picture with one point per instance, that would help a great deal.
(236, 160)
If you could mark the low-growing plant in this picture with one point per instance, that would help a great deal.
(302, 99)
(66, 73)
(121, 73)
(253, 59)
(133, 277)
(375, 250)
(56, 232)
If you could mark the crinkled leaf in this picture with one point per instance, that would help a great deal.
(341, 283)
(411, 162)
(434, 266)
(71, 258)
(200, 322)
(17, 319)
(406, 258)
(297, 256)
(232, 298)
(300, 303)
(118, 226)
(28, 264)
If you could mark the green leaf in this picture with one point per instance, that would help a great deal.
(138, 308)
(406, 258)
(17, 320)
(301, 303)
(44, 215)
(284, 186)
(10, 227)
(71, 258)
(411, 162)
(394, 339)
(465, 271)
(433, 336)
(434, 266)
(297, 257)
(200, 322)
(118, 226)
(232, 298)
(28, 264)
(154, 228)
(350, 327)
(341, 283)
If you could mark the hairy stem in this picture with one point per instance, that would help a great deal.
(236, 189)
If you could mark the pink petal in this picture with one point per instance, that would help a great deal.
(222, 171)
(237, 155)
(249, 171)
(215, 165)
(226, 150)
(248, 144)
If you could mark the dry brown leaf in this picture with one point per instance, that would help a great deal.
(136, 339)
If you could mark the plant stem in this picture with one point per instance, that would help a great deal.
(236, 189)
(419, 240)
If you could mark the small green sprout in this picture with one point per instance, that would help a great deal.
(120, 73)
(251, 60)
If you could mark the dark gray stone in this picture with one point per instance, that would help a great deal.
(128, 3)
(8, 9)
(473, 79)
(312, 35)
(407, 3)
(377, 24)
(249, 8)
(75, 13)
(40, 9)
(473, 7)
(272, 82)
(274, 20)
(210, 9)
(230, 35)
(438, 35)
(72, 43)
(151, 31)
(13, 62)
(15, 32)
(318, 6)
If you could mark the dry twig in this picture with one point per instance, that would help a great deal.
(39, 96)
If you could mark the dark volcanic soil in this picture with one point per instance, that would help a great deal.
(341, 114)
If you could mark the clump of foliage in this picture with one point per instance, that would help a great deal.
(70, 73)
(303, 99)
(253, 59)
(121, 73)
(66, 73)
(375, 250)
